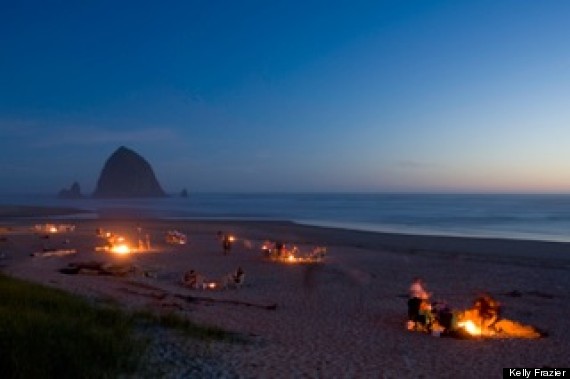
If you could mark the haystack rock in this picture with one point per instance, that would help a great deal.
(184, 193)
(127, 174)
(74, 192)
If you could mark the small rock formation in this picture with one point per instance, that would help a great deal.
(184, 193)
(74, 192)
(127, 174)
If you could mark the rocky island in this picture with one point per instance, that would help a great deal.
(126, 174)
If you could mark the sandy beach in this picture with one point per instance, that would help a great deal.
(342, 318)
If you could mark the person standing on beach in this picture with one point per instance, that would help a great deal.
(227, 244)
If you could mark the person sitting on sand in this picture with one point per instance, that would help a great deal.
(417, 289)
(267, 248)
(488, 309)
(280, 249)
(419, 307)
(192, 279)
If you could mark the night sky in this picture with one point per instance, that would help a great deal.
(328, 96)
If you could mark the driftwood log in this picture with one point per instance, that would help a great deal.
(98, 268)
(203, 299)
(159, 294)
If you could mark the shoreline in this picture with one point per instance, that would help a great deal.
(402, 242)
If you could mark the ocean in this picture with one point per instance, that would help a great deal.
(536, 217)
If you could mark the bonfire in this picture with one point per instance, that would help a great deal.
(279, 252)
(54, 228)
(115, 244)
(483, 320)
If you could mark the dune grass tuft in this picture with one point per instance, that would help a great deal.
(47, 333)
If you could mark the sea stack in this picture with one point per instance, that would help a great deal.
(125, 175)
(74, 192)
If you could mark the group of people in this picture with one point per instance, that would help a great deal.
(174, 237)
(279, 251)
(437, 317)
(276, 249)
(195, 280)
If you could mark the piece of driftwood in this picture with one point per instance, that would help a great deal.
(199, 299)
(54, 253)
(98, 268)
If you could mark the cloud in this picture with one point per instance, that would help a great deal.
(98, 136)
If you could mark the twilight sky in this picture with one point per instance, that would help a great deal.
(412, 96)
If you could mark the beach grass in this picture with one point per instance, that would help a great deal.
(47, 333)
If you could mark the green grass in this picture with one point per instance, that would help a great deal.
(48, 333)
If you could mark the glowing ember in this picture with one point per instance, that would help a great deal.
(211, 285)
(291, 258)
(232, 238)
(53, 229)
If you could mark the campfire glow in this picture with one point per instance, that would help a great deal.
(53, 228)
(470, 327)
(115, 244)
(483, 320)
(121, 248)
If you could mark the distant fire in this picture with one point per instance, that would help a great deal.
(53, 228)
(121, 249)
(115, 244)
(293, 254)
